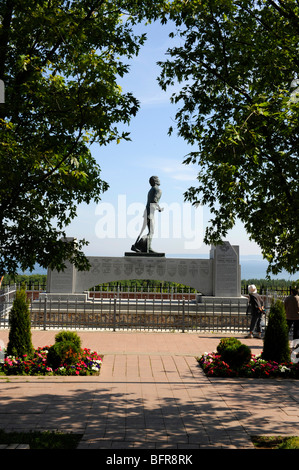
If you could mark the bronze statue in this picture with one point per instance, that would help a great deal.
(144, 244)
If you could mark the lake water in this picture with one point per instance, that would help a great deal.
(256, 267)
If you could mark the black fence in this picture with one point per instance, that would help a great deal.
(117, 312)
(114, 307)
(262, 290)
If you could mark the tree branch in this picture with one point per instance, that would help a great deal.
(4, 35)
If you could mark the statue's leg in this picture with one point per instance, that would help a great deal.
(138, 246)
(151, 227)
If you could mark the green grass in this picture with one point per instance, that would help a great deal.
(41, 440)
(276, 442)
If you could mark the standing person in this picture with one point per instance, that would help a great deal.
(291, 305)
(256, 307)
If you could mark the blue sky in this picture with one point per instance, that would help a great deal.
(110, 227)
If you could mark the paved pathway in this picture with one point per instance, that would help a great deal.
(151, 394)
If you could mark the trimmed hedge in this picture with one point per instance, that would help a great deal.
(233, 352)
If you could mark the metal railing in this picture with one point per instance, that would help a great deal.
(117, 310)
(262, 290)
(7, 295)
(117, 313)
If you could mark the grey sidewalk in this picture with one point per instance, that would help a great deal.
(151, 394)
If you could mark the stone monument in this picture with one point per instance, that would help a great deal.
(219, 276)
(226, 270)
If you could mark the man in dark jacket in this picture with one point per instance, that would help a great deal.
(256, 307)
(291, 305)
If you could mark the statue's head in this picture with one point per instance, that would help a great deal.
(154, 181)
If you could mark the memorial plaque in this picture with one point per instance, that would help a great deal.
(204, 267)
(182, 268)
(118, 267)
(96, 265)
(150, 268)
(193, 269)
(139, 268)
(161, 269)
(62, 281)
(107, 265)
(171, 267)
(128, 270)
(226, 271)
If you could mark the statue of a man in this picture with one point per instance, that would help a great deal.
(145, 244)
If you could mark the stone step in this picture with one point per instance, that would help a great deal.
(14, 446)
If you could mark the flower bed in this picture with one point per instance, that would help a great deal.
(214, 366)
(89, 363)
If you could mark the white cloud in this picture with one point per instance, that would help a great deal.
(175, 169)
(154, 98)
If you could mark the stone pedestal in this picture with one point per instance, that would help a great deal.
(226, 270)
(63, 282)
(218, 276)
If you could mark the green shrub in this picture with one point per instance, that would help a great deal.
(276, 341)
(68, 336)
(19, 339)
(66, 349)
(227, 342)
(236, 356)
(63, 352)
(233, 352)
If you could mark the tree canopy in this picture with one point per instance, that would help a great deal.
(60, 62)
(238, 105)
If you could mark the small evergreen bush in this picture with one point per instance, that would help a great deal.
(19, 339)
(276, 341)
(236, 356)
(233, 352)
(63, 353)
(68, 336)
(227, 342)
